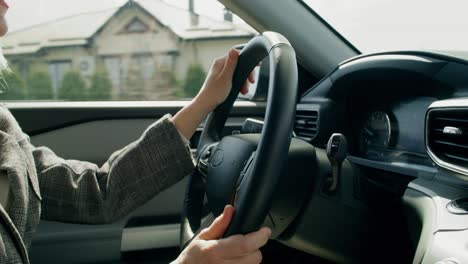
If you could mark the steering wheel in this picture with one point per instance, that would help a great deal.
(244, 170)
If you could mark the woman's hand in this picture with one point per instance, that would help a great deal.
(215, 90)
(218, 83)
(208, 247)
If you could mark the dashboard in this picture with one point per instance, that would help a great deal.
(405, 119)
(379, 102)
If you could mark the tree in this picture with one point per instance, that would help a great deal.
(101, 87)
(13, 87)
(194, 80)
(40, 86)
(73, 87)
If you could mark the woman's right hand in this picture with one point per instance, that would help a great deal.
(215, 90)
(218, 83)
(209, 247)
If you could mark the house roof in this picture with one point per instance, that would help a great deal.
(77, 30)
(178, 20)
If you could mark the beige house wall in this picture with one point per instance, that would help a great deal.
(66, 54)
(39, 62)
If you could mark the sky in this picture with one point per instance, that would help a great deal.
(376, 25)
(24, 13)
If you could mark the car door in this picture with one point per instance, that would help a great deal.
(86, 80)
(91, 131)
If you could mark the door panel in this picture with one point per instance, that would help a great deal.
(109, 135)
(91, 131)
(39, 117)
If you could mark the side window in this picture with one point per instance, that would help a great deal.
(116, 49)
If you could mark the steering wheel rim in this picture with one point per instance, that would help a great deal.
(264, 160)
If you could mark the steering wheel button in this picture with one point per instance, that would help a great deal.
(217, 158)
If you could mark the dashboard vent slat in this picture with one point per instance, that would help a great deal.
(452, 119)
(312, 116)
(447, 136)
(451, 144)
(457, 157)
(306, 124)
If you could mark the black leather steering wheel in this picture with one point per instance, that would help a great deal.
(244, 167)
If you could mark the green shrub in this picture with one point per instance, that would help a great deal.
(135, 85)
(13, 86)
(101, 87)
(194, 80)
(73, 87)
(40, 86)
(167, 77)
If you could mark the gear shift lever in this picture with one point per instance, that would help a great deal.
(337, 150)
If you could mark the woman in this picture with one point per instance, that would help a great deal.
(35, 183)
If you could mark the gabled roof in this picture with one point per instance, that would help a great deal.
(179, 21)
(68, 31)
(77, 30)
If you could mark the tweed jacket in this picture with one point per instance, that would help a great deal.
(43, 185)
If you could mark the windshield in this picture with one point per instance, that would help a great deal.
(386, 25)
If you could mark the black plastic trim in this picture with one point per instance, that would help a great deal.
(404, 169)
(142, 221)
(419, 53)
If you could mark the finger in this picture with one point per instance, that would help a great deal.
(258, 239)
(254, 258)
(245, 88)
(243, 245)
(252, 77)
(218, 65)
(230, 63)
(219, 225)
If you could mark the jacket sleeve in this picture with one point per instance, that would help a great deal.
(81, 192)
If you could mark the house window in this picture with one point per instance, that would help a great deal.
(166, 61)
(57, 70)
(145, 63)
(117, 71)
(136, 26)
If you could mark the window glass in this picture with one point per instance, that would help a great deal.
(115, 49)
(388, 25)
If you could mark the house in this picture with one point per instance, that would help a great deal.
(143, 46)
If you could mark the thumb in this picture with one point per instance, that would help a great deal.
(230, 64)
(219, 225)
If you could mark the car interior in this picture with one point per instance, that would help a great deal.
(349, 156)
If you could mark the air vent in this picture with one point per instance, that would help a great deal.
(447, 137)
(306, 125)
